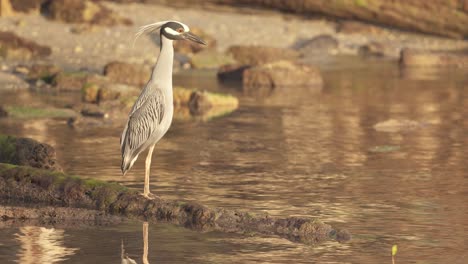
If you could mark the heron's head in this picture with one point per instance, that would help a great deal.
(173, 30)
(177, 31)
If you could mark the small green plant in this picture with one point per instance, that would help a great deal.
(394, 251)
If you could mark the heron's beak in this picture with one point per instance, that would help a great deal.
(194, 38)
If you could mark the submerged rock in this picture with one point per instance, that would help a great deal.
(83, 11)
(425, 58)
(258, 55)
(397, 125)
(28, 152)
(261, 80)
(128, 73)
(14, 47)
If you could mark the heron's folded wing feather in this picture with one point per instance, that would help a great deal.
(143, 122)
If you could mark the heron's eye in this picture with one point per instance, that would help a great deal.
(180, 30)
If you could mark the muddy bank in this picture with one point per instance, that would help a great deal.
(29, 185)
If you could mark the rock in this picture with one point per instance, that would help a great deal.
(209, 59)
(11, 7)
(89, 92)
(14, 47)
(231, 72)
(354, 27)
(3, 112)
(92, 110)
(45, 72)
(203, 103)
(27, 152)
(190, 47)
(111, 92)
(425, 58)
(70, 81)
(127, 73)
(83, 28)
(397, 125)
(99, 89)
(83, 11)
(261, 80)
(199, 103)
(377, 49)
(257, 55)
(12, 82)
(318, 44)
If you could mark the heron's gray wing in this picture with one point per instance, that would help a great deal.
(142, 123)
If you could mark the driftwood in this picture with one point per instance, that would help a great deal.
(55, 190)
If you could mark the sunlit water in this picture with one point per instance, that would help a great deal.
(298, 152)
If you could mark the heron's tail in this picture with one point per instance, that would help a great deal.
(127, 164)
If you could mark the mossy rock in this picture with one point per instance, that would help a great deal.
(26, 151)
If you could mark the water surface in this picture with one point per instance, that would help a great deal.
(298, 152)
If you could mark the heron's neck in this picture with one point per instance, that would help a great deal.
(162, 72)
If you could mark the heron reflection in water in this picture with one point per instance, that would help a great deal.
(124, 256)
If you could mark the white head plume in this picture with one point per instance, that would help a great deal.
(148, 29)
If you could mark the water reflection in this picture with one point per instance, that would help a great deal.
(124, 255)
(42, 245)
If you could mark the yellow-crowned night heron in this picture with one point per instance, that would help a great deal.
(151, 115)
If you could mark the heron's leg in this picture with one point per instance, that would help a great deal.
(146, 190)
(145, 243)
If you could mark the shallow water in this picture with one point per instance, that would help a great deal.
(298, 152)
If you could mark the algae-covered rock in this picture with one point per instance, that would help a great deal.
(30, 112)
(210, 59)
(58, 189)
(258, 55)
(29, 152)
(70, 81)
(15, 47)
(202, 104)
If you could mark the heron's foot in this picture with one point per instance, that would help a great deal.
(149, 196)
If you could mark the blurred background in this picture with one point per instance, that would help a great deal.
(352, 111)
